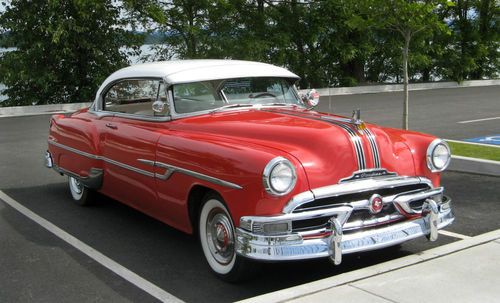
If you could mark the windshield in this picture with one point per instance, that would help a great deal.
(210, 95)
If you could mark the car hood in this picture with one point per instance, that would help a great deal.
(324, 144)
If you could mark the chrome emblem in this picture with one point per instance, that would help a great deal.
(376, 204)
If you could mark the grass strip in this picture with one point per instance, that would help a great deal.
(474, 151)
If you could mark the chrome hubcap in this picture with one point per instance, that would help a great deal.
(220, 236)
(75, 185)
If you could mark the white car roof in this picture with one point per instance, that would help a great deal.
(184, 71)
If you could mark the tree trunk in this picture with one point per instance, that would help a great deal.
(406, 48)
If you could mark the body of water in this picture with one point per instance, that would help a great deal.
(144, 51)
(2, 97)
(2, 87)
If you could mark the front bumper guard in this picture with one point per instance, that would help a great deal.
(433, 216)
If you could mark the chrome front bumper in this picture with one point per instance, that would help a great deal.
(435, 214)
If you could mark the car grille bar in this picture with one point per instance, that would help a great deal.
(402, 197)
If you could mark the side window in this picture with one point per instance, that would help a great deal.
(136, 97)
(196, 96)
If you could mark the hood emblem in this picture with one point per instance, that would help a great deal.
(368, 173)
(375, 204)
(356, 119)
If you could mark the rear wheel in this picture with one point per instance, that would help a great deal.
(81, 195)
(218, 241)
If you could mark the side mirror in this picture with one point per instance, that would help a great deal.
(158, 106)
(311, 98)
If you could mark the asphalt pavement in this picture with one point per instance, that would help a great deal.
(436, 111)
(39, 267)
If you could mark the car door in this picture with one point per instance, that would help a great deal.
(131, 139)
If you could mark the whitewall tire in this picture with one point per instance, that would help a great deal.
(80, 194)
(218, 241)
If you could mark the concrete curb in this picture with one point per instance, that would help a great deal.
(361, 274)
(14, 111)
(332, 91)
(473, 165)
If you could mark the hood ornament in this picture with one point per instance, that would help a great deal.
(356, 119)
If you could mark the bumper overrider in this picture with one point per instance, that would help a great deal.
(418, 210)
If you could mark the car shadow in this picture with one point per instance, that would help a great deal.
(171, 259)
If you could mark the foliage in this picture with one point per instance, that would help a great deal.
(472, 52)
(65, 49)
(409, 19)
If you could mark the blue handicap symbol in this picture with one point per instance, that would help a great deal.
(494, 140)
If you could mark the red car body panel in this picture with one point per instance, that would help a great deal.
(232, 145)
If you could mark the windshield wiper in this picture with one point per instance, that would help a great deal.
(230, 106)
(277, 104)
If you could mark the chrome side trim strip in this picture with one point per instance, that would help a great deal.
(131, 168)
(74, 150)
(170, 169)
(107, 160)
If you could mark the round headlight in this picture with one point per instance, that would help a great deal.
(279, 176)
(438, 155)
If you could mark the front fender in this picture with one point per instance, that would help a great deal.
(238, 162)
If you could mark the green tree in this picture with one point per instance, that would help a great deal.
(473, 51)
(488, 26)
(65, 49)
(409, 18)
(183, 23)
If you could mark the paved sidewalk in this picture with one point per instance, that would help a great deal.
(463, 271)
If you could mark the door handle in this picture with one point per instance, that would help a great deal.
(112, 126)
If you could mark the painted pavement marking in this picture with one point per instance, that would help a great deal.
(110, 264)
(478, 120)
(490, 140)
(454, 235)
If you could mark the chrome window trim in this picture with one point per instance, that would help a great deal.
(104, 113)
(97, 109)
(176, 115)
(170, 168)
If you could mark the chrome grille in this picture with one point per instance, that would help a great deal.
(360, 218)
(348, 198)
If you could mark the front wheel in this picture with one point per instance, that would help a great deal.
(218, 241)
(81, 195)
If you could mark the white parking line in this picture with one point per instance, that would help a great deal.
(478, 120)
(118, 269)
(454, 235)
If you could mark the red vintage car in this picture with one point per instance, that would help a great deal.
(230, 151)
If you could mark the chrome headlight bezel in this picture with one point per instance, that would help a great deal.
(431, 164)
(267, 176)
